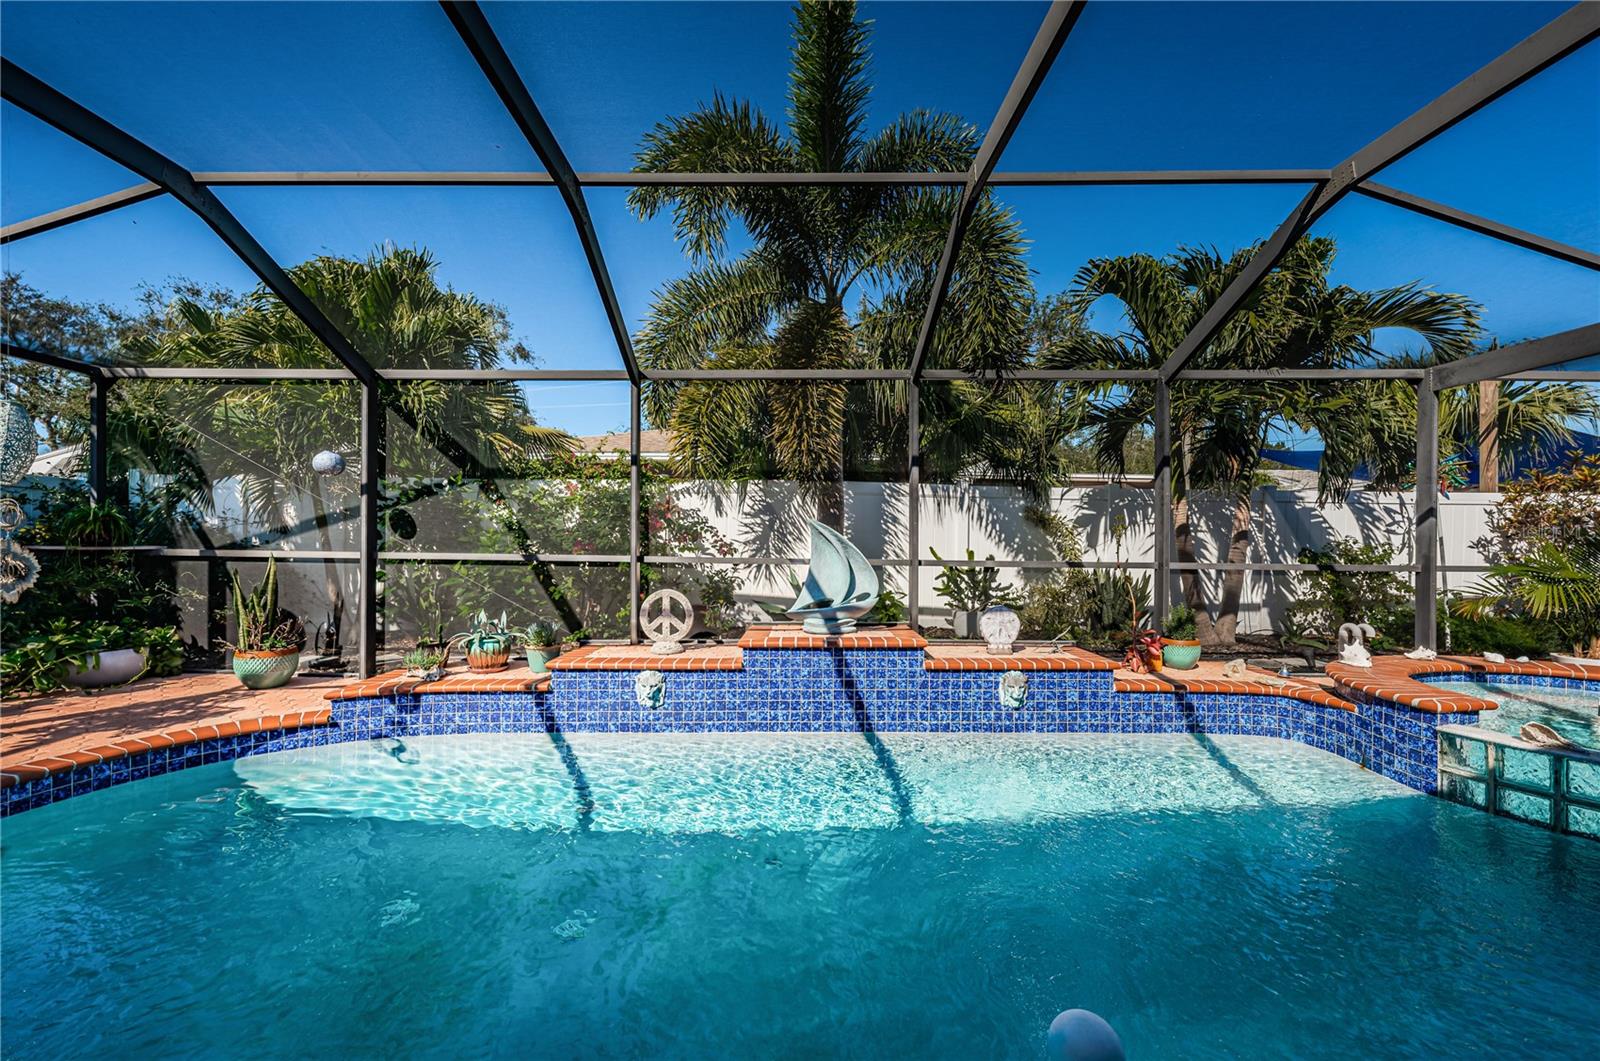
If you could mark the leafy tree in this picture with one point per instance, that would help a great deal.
(1296, 318)
(834, 277)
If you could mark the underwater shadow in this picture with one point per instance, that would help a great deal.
(880, 751)
(569, 762)
(1220, 757)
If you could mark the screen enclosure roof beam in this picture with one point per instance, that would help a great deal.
(1520, 357)
(1559, 38)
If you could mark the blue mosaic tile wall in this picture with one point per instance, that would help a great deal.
(818, 691)
(1575, 685)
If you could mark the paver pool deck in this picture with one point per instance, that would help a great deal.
(42, 727)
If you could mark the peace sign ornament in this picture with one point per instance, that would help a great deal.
(666, 616)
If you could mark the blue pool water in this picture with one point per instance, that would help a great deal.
(1573, 713)
(792, 896)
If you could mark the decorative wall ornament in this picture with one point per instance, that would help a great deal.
(839, 587)
(999, 626)
(19, 567)
(666, 616)
(1013, 689)
(19, 445)
(328, 463)
(649, 688)
(1352, 648)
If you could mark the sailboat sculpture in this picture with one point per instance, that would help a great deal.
(840, 585)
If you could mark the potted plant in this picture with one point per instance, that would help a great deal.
(969, 590)
(426, 664)
(1179, 648)
(267, 652)
(107, 655)
(544, 645)
(487, 644)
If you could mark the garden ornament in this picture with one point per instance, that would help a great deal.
(1494, 657)
(1352, 649)
(19, 568)
(1422, 652)
(649, 688)
(19, 444)
(999, 626)
(1013, 689)
(1234, 668)
(327, 463)
(666, 617)
(840, 586)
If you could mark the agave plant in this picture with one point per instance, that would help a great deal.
(1553, 583)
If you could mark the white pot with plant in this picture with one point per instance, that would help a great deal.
(424, 663)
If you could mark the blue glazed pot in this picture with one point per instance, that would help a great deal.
(1179, 655)
(266, 670)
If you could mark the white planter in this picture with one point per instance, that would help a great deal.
(965, 623)
(1574, 661)
(117, 665)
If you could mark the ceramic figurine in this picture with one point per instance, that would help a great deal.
(840, 586)
(999, 626)
(1352, 650)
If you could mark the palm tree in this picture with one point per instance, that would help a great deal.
(396, 313)
(835, 277)
(1556, 584)
(1295, 319)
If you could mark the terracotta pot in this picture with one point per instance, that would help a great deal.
(267, 669)
(1179, 655)
(488, 662)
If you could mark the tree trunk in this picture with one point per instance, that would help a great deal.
(335, 587)
(1227, 624)
(830, 500)
(1489, 436)
(1183, 535)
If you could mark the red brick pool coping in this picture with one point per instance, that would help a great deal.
(34, 769)
(1391, 678)
(1394, 678)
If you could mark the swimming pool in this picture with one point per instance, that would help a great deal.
(1572, 712)
(927, 895)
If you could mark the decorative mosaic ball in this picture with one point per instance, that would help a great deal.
(1078, 1035)
(327, 463)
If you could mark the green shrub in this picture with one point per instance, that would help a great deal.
(1180, 623)
(1326, 599)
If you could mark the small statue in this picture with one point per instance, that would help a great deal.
(999, 626)
(1352, 649)
(649, 688)
(1013, 689)
(1422, 652)
(666, 617)
(840, 585)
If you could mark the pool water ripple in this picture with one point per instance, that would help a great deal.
(771, 896)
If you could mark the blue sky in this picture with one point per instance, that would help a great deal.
(389, 86)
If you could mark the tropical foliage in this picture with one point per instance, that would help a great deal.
(1296, 318)
(1544, 545)
(833, 278)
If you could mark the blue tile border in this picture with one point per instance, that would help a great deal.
(822, 690)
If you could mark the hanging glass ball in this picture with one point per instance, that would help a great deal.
(327, 463)
(18, 443)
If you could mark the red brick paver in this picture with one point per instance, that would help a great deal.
(70, 729)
